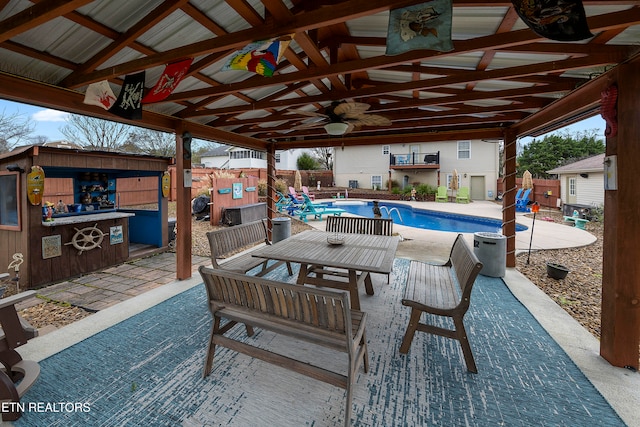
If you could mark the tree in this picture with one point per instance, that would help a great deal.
(14, 128)
(305, 162)
(323, 157)
(96, 134)
(556, 150)
(152, 142)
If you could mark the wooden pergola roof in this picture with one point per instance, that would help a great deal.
(500, 74)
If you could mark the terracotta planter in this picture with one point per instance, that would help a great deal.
(557, 271)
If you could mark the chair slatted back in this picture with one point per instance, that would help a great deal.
(358, 225)
(227, 240)
(327, 310)
(466, 266)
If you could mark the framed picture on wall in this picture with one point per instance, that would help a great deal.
(237, 190)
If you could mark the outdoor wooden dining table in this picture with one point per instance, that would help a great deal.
(322, 263)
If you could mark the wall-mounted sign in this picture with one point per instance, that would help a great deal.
(237, 190)
(51, 246)
(115, 235)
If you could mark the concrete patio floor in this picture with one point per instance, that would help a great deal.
(134, 287)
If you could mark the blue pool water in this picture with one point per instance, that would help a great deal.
(422, 218)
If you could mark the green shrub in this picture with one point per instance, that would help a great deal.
(306, 162)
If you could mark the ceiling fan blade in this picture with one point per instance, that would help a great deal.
(350, 108)
(371, 120)
(307, 113)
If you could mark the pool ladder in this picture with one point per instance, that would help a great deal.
(386, 209)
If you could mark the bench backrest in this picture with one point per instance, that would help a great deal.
(466, 267)
(358, 225)
(227, 240)
(306, 306)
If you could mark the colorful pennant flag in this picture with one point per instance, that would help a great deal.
(129, 105)
(422, 26)
(561, 20)
(100, 94)
(260, 57)
(168, 81)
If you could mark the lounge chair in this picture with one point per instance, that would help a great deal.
(521, 204)
(441, 195)
(305, 190)
(283, 202)
(295, 194)
(463, 195)
(317, 210)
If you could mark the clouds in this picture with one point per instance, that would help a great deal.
(49, 115)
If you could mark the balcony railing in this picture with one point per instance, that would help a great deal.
(430, 160)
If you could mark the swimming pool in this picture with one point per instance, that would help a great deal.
(427, 219)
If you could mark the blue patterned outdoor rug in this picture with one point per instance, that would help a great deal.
(147, 371)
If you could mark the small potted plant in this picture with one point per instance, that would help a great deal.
(556, 271)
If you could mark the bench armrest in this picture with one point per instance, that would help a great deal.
(15, 299)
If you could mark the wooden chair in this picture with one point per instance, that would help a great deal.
(305, 190)
(463, 195)
(441, 195)
(442, 290)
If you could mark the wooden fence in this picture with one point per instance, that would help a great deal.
(545, 191)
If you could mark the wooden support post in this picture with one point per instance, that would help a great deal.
(621, 271)
(509, 196)
(183, 205)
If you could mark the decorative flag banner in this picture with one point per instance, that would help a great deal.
(128, 104)
(422, 26)
(261, 57)
(100, 94)
(168, 81)
(561, 20)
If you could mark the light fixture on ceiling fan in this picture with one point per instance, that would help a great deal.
(336, 128)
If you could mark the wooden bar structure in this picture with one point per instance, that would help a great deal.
(76, 243)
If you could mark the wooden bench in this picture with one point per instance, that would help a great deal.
(359, 225)
(442, 290)
(314, 315)
(228, 241)
(16, 375)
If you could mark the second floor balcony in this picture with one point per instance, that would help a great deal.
(414, 161)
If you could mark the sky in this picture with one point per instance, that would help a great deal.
(48, 122)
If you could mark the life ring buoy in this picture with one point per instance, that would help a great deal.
(87, 238)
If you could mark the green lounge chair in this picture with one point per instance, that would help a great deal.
(441, 195)
(463, 195)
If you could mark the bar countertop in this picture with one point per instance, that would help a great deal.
(78, 219)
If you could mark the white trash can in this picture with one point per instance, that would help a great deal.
(281, 229)
(491, 250)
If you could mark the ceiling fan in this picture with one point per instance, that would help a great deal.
(342, 117)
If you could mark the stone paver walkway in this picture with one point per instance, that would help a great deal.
(99, 290)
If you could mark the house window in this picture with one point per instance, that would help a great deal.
(376, 182)
(386, 149)
(277, 157)
(9, 206)
(464, 149)
(572, 186)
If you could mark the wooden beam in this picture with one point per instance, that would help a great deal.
(37, 15)
(620, 326)
(509, 196)
(183, 209)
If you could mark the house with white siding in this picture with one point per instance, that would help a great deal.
(582, 182)
(228, 157)
(372, 166)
